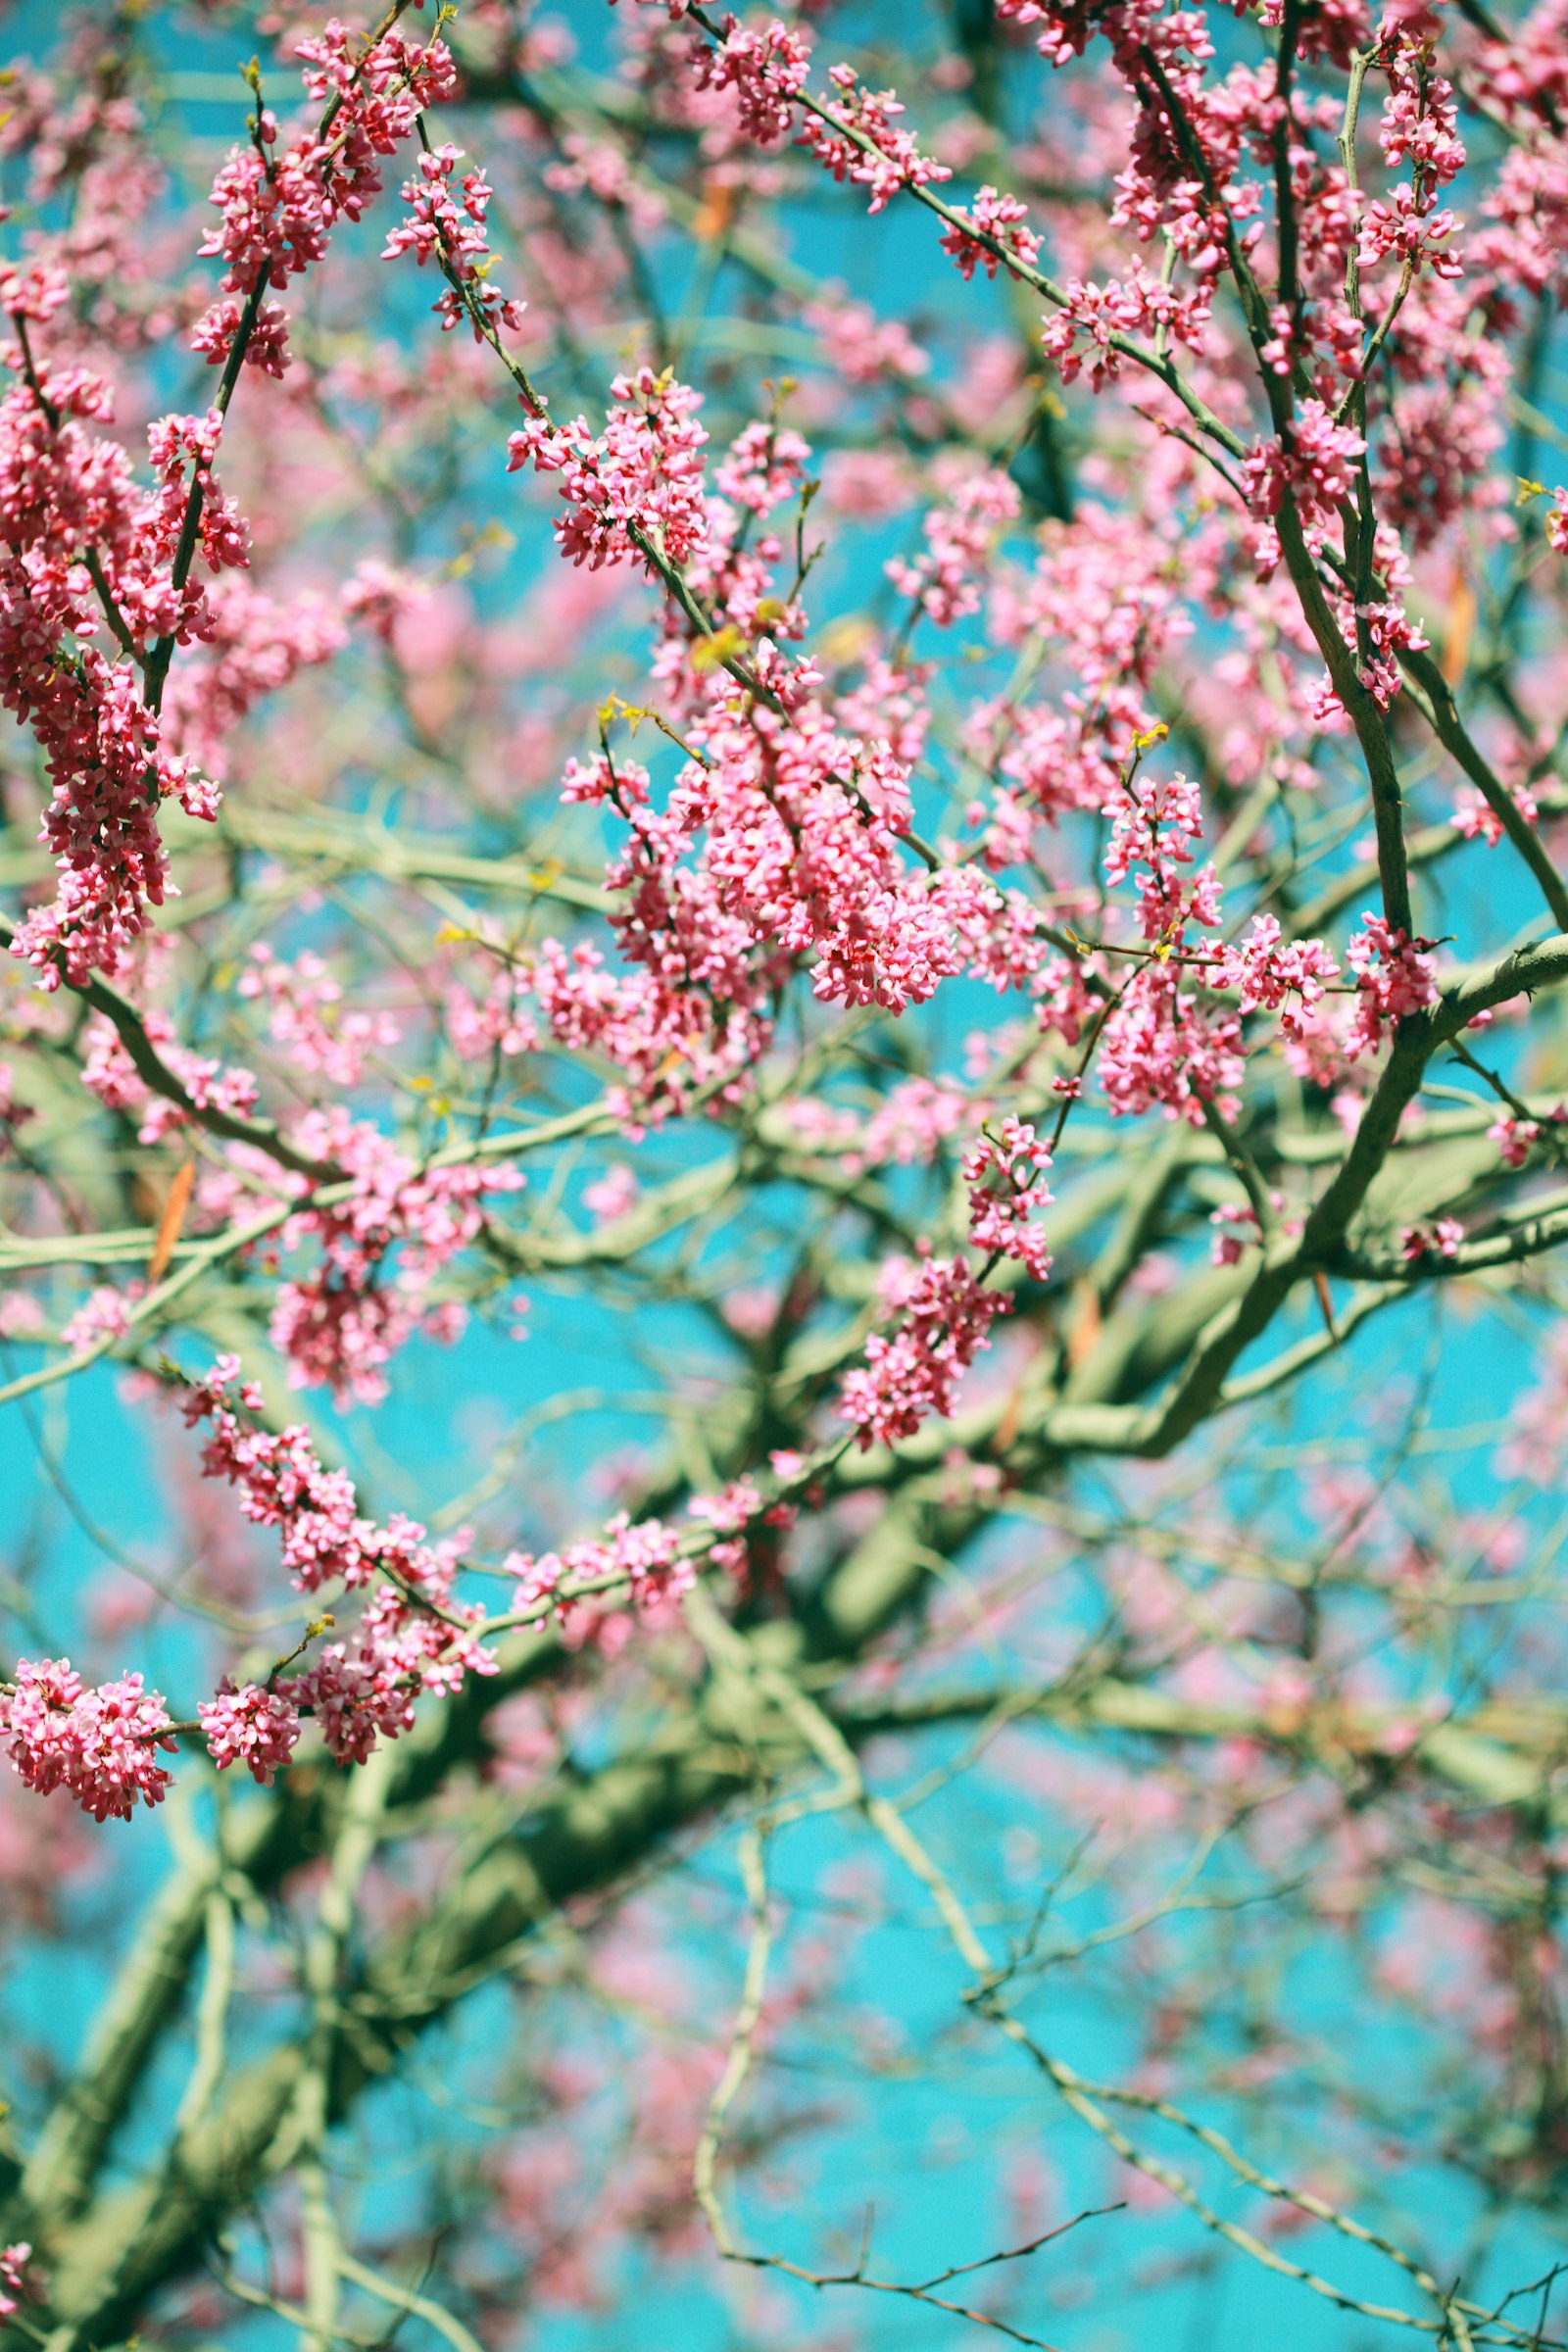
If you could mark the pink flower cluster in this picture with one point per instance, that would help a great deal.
(1161, 832)
(766, 68)
(68, 506)
(1105, 601)
(1477, 819)
(642, 475)
(1418, 127)
(1394, 975)
(781, 837)
(1314, 461)
(1158, 1043)
(739, 1508)
(1080, 333)
(861, 347)
(1160, 1046)
(995, 227)
(1005, 1173)
(861, 142)
(279, 210)
(914, 1372)
(911, 1123)
(307, 1019)
(763, 468)
(1235, 1227)
(101, 1744)
(1289, 977)
(1444, 1235)
(583, 1586)
(411, 1634)
(250, 1726)
(104, 1314)
(452, 229)
(946, 581)
(599, 169)
(341, 1324)
(1514, 1138)
(251, 645)
(14, 2261)
(110, 1074)
(797, 829)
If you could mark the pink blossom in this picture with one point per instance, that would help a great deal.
(1005, 1176)
(945, 1317)
(1160, 1046)
(1083, 329)
(101, 1742)
(1444, 1234)
(1001, 220)
(1271, 974)
(412, 1634)
(450, 227)
(250, 1726)
(279, 208)
(1313, 460)
(862, 347)
(14, 2261)
(1394, 975)
(644, 1559)
(110, 1074)
(945, 582)
(105, 1314)
(380, 594)
(379, 1252)
(911, 1123)
(731, 1513)
(1408, 228)
(304, 1015)
(643, 475)
(1476, 818)
(763, 468)
(1236, 1228)
(766, 68)
(612, 1195)
(867, 483)
(876, 154)
(599, 167)
(1514, 1138)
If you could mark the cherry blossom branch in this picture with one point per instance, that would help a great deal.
(1367, 718)
(1126, 346)
(162, 651)
(90, 557)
